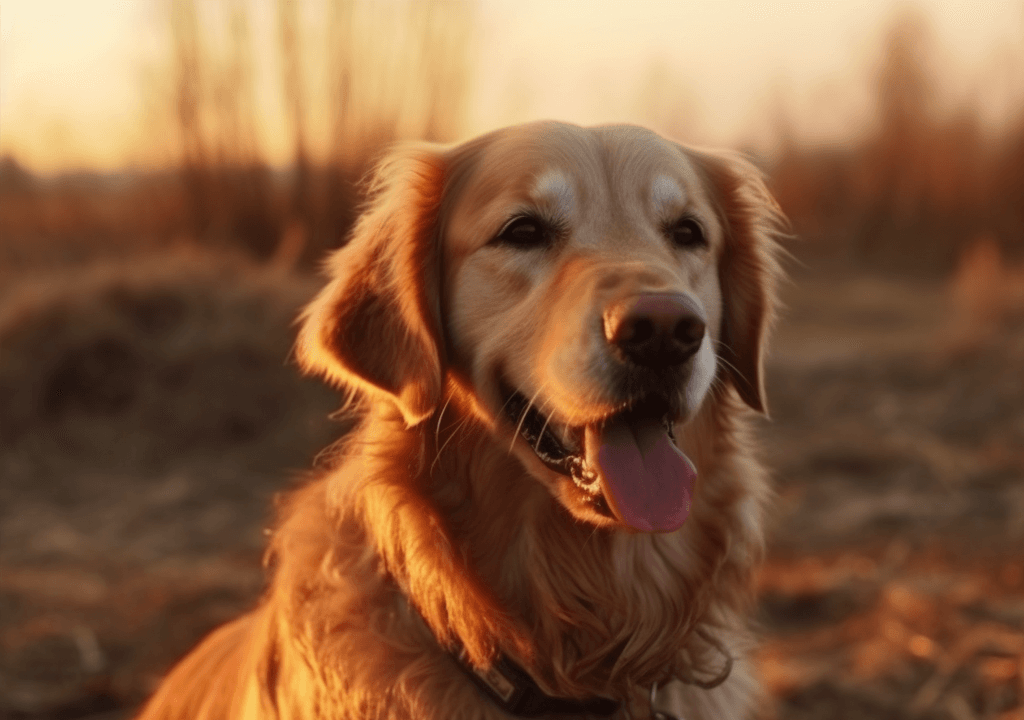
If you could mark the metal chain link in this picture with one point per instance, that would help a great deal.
(658, 714)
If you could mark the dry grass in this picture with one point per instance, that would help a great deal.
(150, 416)
(895, 634)
(894, 586)
(911, 190)
(137, 395)
(986, 293)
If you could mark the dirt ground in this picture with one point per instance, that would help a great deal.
(149, 414)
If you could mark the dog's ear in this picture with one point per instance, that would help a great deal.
(375, 328)
(749, 270)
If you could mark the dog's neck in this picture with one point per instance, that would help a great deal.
(586, 611)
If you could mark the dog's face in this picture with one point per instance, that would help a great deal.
(584, 306)
(582, 286)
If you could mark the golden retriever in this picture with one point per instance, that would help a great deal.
(551, 506)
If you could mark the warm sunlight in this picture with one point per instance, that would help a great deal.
(545, 351)
(87, 85)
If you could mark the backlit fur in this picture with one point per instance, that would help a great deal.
(437, 526)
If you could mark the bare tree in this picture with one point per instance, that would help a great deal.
(188, 104)
(395, 71)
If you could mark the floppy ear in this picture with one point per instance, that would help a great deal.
(375, 328)
(749, 271)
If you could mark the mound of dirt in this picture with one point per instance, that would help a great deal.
(150, 413)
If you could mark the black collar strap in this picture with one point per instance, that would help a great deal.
(514, 691)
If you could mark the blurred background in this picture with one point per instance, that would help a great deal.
(172, 170)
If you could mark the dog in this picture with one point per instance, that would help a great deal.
(553, 337)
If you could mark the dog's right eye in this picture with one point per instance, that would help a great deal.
(524, 232)
(687, 233)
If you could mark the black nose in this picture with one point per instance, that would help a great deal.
(656, 330)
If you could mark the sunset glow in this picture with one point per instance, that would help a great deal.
(86, 85)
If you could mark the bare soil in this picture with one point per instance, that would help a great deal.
(149, 414)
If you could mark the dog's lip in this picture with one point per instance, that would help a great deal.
(535, 429)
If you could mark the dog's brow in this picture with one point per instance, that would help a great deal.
(553, 187)
(666, 195)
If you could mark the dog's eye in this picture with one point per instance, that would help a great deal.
(525, 232)
(687, 233)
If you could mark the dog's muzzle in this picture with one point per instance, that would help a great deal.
(628, 462)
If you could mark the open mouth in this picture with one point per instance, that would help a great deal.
(627, 464)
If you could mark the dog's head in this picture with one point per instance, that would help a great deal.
(590, 289)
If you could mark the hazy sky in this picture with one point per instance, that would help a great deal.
(78, 76)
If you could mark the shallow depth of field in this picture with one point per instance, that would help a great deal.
(150, 412)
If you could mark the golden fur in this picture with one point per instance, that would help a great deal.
(437, 525)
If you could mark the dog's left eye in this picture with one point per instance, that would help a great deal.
(687, 233)
(525, 232)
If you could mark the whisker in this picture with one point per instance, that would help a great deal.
(437, 430)
(721, 358)
(522, 419)
(460, 427)
(505, 404)
(547, 419)
(437, 434)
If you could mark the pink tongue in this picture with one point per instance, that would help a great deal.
(646, 479)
